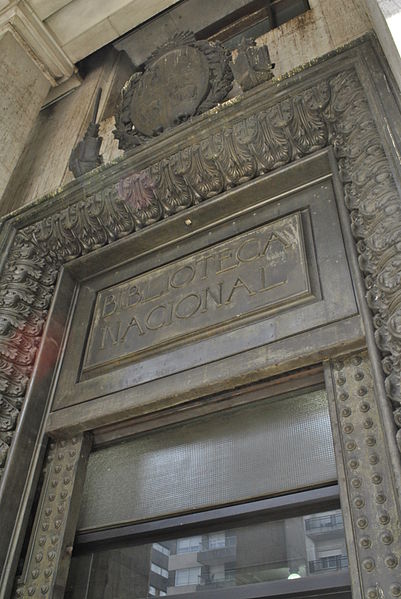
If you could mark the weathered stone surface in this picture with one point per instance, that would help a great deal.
(386, 19)
(84, 26)
(22, 91)
(328, 25)
(43, 164)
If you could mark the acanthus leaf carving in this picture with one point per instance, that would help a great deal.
(233, 158)
(202, 174)
(137, 192)
(170, 187)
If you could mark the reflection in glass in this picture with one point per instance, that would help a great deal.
(284, 549)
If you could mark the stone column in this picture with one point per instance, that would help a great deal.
(31, 63)
(386, 19)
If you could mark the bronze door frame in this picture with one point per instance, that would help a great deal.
(355, 112)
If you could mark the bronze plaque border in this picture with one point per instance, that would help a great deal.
(200, 332)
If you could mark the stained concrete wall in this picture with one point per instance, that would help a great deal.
(328, 25)
(23, 87)
(386, 18)
(44, 164)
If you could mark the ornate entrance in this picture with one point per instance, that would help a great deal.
(257, 240)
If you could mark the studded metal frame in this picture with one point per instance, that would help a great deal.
(366, 479)
(48, 557)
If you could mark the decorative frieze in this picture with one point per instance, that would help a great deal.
(371, 503)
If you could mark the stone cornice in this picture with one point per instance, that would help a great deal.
(21, 21)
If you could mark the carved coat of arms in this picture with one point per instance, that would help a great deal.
(183, 78)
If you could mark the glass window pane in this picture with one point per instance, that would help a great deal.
(217, 539)
(189, 544)
(187, 576)
(284, 10)
(269, 447)
(287, 549)
(161, 548)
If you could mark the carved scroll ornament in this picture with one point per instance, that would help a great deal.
(335, 112)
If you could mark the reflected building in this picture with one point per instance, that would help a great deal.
(292, 548)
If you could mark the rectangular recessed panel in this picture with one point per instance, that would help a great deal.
(257, 271)
(262, 449)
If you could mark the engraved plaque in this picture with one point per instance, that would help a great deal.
(259, 271)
